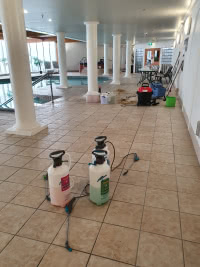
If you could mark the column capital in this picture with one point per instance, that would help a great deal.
(91, 22)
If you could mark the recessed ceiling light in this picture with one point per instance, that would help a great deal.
(145, 33)
(50, 20)
(25, 11)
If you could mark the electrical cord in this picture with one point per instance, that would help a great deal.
(68, 209)
(136, 158)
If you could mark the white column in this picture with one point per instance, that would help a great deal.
(91, 37)
(62, 60)
(106, 62)
(128, 59)
(12, 18)
(116, 58)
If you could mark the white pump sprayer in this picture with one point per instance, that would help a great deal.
(99, 174)
(101, 145)
(59, 181)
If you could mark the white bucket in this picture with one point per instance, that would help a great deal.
(107, 98)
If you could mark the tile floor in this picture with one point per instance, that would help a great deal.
(153, 216)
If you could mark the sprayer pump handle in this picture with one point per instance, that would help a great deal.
(101, 153)
(102, 138)
(57, 154)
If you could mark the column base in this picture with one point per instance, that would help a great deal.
(115, 82)
(92, 98)
(127, 76)
(105, 74)
(63, 87)
(26, 132)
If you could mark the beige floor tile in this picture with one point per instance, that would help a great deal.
(75, 156)
(117, 243)
(140, 165)
(42, 144)
(101, 262)
(23, 252)
(139, 138)
(14, 150)
(17, 161)
(60, 146)
(9, 190)
(6, 172)
(2, 204)
(10, 140)
(114, 177)
(190, 225)
(79, 147)
(82, 234)
(45, 154)
(69, 139)
(162, 157)
(161, 199)
(160, 221)
(13, 217)
(182, 142)
(134, 178)
(124, 214)
(191, 254)
(188, 151)
(84, 208)
(39, 180)
(186, 160)
(155, 250)
(52, 137)
(49, 224)
(58, 256)
(141, 146)
(161, 181)
(190, 186)
(30, 196)
(38, 164)
(46, 206)
(4, 240)
(86, 158)
(189, 203)
(130, 193)
(23, 176)
(188, 171)
(162, 135)
(162, 149)
(76, 133)
(26, 142)
(4, 147)
(5, 157)
(31, 152)
(80, 170)
(163, 141)
(162, 168)
(163, 129)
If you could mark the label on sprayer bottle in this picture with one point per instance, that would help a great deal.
(65, 183)
(104, 186)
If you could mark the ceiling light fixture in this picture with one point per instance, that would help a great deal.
(187, 26)
(25, 11)
(49, 20)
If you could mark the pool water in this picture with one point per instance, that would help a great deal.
(78, 81)
(6, 89)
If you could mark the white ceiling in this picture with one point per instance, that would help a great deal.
(158, 18)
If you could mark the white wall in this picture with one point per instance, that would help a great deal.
(76, 51)
(188, 81)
